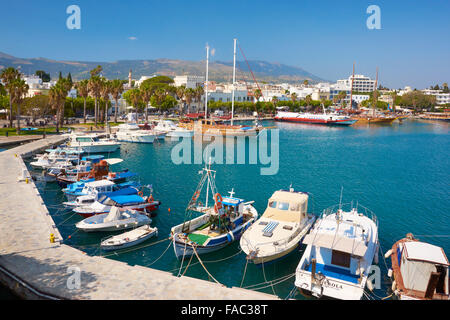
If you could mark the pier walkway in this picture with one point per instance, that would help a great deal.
(35, 268)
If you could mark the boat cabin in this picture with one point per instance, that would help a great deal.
(287, 206)
(424, 270)
(98, 187)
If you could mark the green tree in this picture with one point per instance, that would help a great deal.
(20, 89)
(8, 76)
(45, 77)
(95, 87)
(83, 91)
(116, 91)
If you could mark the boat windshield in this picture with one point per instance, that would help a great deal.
(279, 205)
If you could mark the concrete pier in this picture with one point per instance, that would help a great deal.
(35, 268)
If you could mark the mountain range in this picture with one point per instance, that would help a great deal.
(218, 71)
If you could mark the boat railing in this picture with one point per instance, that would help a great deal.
(348, 207)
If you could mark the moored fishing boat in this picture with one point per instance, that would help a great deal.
(280, 229)
(420, 270)
(217, 226)
(129, 238)
(129, 201)
(116, 219)
(339, 254)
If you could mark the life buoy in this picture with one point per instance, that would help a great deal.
(217, 196)
(150, 199)
(140, 193)
(195, 196)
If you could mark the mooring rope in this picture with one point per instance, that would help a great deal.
(209, 274)
(245, 271)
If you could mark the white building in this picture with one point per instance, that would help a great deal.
(361, 83)
(142, 79)
(441, 98)
(189, 81)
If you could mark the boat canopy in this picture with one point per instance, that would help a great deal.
(93, 158)
(113, 215)
(229, 201)
(421, 251)
(336, 242)
(287, 206)
(127, 199)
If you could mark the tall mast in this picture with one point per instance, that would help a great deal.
(351, 89)
(206, 91)
(234, 82)
(375, 98)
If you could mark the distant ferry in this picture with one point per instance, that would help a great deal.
(314, 118)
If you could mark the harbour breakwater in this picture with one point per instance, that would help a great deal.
(36, 264)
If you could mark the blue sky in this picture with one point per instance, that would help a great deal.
(323, 37)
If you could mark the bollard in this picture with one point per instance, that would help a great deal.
(52, 238)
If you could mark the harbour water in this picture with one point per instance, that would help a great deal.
(399, 171)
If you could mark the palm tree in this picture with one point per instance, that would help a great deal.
(293, 97)
(83, 91)
(147, 91)
(305, 82)
(95, 86)
(20, 89)
(198, 94)
(308, 100)
(57, 99)
(104, 92)
(135, 97)
(180, 95)
(8, 76)
(116, 91)
(257, 94)
(67, 85)
(189, 95)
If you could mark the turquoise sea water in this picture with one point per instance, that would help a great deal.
(399, 171)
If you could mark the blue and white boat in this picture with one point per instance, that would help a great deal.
(339, 254)
(217, 226)
(96, 189)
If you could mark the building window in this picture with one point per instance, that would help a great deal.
(341, 259)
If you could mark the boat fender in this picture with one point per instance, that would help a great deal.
(369, 285)
(390, 273)
(230, 236)
(394, 285)
(388, 254)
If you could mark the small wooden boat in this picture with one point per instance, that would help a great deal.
(117, 219)
(130, 238)
(420, 270)
(217, 226)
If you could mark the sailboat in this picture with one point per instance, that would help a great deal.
(217, 226)
(209, 127)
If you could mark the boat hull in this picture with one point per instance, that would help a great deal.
(348, 122)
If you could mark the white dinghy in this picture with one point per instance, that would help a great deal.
(129, 238)
(117, 219)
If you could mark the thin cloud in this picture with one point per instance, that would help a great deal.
(132, 38)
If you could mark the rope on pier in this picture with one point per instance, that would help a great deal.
(245, 271)
(209, 274)
(188, 264)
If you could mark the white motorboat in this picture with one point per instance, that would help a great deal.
(129, 238)
(117, 219)
(280, 229)
(172, 130)
(340, 250)
(131, 132)
(92, 143)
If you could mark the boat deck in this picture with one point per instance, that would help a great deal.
(335, 272)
